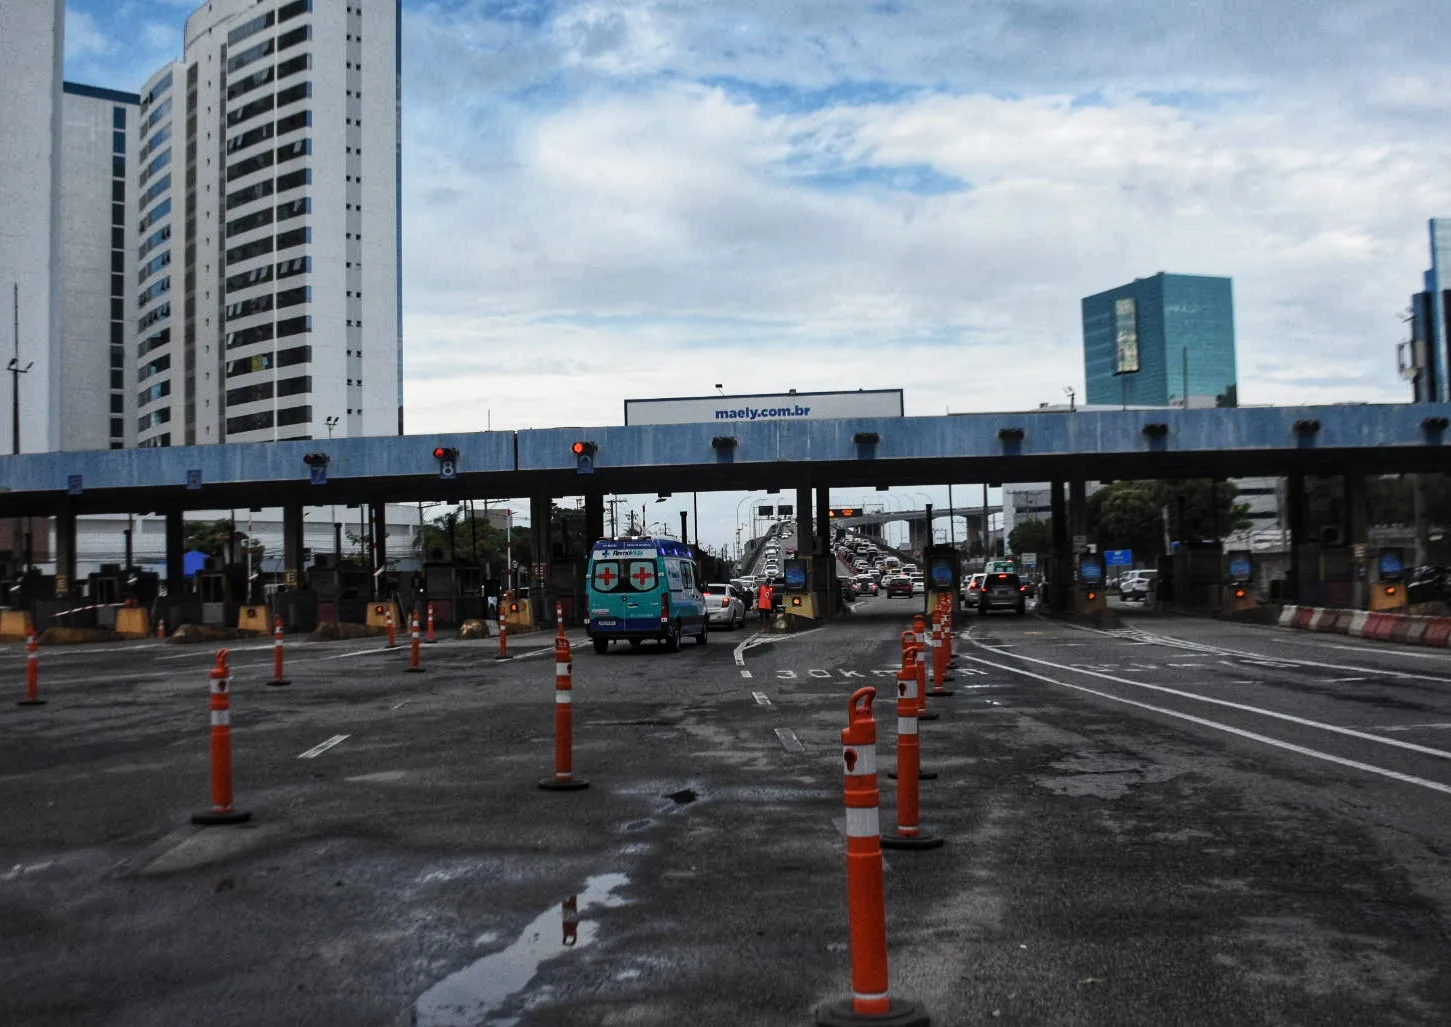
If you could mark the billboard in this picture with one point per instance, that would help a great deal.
(1126, 335)
(766, 406)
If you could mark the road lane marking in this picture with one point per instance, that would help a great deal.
(745, 673)
(1303, 722)
(761, 699)
(1341, 681)
(788, 740)
(322, 747)
(1438, 726)
(1215, 725)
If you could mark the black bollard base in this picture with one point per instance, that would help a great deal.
(278, 682)
(553, 784)
(941, 693)
(911, 841)
(928, 716)
(922, 775)
(217, 818)
(415, 670)
(902, 1014)
(31, 702)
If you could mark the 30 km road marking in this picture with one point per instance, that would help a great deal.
(322, 747)
(1435, 786)
(1349, 732)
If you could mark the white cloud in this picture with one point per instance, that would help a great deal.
(83, 38)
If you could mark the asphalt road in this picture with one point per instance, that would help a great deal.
(1182, 822)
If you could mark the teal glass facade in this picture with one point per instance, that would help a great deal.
(1178, 330)
(1431, 317)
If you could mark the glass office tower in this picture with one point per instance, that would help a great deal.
(1426, 357)
(1166, 340)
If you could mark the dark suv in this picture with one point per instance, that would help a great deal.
(1002, 592)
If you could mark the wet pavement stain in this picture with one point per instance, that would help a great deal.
(685, 795)
(472, 996)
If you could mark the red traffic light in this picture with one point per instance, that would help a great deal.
(440, 453)
(445, 453)
(583, 448)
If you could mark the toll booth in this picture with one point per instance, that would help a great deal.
(140, 586)
(943, 574)
(213, 589)
(1090, 594)
(1388, 594)
(342, 591)
(473, 590)
(796, 599)
(1238, 592)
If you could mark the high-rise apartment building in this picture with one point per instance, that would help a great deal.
(66, 259)
(1426, 358)
(32, 44)
(95, 275)
(1166, 340)
(265, 308)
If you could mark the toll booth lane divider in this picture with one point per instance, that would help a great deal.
(1405, 628)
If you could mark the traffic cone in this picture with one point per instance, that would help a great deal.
(871, 1001)
(32, 672)
(909, 770)
(563, 779)
(415, 665)
(432, 638)
(277, 679)
(222, 810)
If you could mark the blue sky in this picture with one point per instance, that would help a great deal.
(817, 194)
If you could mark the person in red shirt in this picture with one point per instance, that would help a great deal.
(765, 597)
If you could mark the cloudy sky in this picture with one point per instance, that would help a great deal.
(648, 197)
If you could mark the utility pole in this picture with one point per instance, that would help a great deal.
(614, 502)
(15, 372)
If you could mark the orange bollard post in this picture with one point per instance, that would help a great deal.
(912, 668)
(277, 679)
(222, 810)
(415, 665)
(871, 1001)
(558, 620)
(909, 769)
(432, 638)
(563, 779)
(924, 643)
(161, 629)
(939, 658)
(32, 673)
(392, 629)
(503, 634)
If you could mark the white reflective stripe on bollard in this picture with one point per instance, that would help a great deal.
(221, 718)
(906, 725)
(561, 697)
(866, 762)
(562, 670)
(863, 822)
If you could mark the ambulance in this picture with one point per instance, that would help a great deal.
(644, 588)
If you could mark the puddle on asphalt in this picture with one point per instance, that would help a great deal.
(469, 997)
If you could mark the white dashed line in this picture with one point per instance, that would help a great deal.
(761, 699)
(322, 747)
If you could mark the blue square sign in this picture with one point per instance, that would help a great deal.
(194, 478)
(73, 485)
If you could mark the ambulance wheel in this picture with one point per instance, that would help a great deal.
(602, 645)
(704, 636)
(672, 640)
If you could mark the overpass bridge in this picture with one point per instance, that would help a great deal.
(1066, 448)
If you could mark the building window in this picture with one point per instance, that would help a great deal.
(249, 422)
(253, 53)
(250, 138)
(248, 250)
(293, 65)
(249, 110)
(247, 222)
(293, 179)
(248, 336)
(295, 237)
(245, 167)
(249, 28)
(295, 208)
(293, 122)
(292, 10)
(118, 192)
(293, 326)
(118, 117)
(251, 82)
(294, 415)
(294, 93)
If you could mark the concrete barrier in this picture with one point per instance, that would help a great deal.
(1380, 626)
(1288, 615)
(1438, 632)
(1343, 619)
(1358, 620)
(1303, 616)
(1416, 629)
(15, 625)
(1323, 619)
(254, 618)
(133, 622)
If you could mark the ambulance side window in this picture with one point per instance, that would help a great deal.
(687, 578)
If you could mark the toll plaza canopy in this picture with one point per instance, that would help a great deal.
(739, 455)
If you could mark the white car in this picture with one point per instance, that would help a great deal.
(919, 586)
(723, 606)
